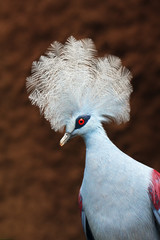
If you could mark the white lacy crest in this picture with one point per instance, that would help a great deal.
(70, 78)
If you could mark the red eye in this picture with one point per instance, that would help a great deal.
(81, 121)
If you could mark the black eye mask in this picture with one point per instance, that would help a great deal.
(81, 121)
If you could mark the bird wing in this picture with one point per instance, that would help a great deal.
(154, 193)
(85, 224)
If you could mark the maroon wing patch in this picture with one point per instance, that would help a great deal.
(85, 224)
(154, 193)
(154, 189)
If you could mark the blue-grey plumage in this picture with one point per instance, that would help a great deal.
(114, 190)
(120, 197)
(115, 193)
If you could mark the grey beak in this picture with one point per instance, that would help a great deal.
(65, 138)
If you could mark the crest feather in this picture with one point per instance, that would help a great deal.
(55, 50)
(70, 78)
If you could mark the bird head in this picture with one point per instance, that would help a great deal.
(79, 125)
(77, 90)
(76, 126)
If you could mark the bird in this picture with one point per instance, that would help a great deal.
(78, 92)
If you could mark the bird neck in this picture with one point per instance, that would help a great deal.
(101, 163)
(97, 139)
(101, 153)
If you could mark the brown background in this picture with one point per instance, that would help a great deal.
(39, 181)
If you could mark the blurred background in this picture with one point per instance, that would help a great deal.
(39, 181)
